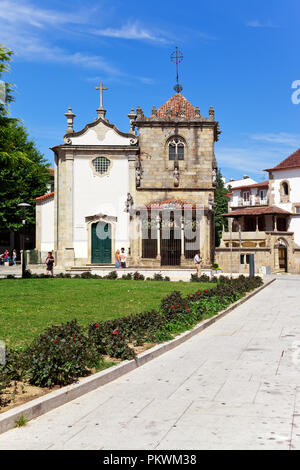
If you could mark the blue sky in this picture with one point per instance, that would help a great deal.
(239, 56)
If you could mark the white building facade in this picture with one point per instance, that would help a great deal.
(265, 222)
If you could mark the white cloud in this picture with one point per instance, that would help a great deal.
(132, 31)
(259, 24)
(254, 158)
(281, 138)
(28, 30)
(21, 12)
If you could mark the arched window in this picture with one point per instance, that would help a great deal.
(285, 189)
(176, 149)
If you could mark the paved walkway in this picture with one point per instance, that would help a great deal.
(234, 386)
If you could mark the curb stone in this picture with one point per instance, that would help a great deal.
(42, 405)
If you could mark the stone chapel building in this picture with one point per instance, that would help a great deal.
(107, 182)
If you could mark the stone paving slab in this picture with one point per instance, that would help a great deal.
(234, 386)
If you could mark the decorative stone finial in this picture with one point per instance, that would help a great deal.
(154, 111)
(211, 113)
(139, 112)
(101, 113)
(70, 118)
(132, 117)
(197, 111)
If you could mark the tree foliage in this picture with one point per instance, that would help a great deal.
(221, 207)
(23, 171)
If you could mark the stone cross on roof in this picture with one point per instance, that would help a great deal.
(101, 111)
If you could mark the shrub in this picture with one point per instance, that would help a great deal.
(203, 278)
(59, 356)
(86, 275)
(173, 305)
(109, 340)
(127, 277)
(112, 275)
(138, 277)
(158, 277)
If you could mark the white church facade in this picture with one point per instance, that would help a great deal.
(107, 182)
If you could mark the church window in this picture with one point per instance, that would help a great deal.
(285, 189)
(176, 149)
(101, 165)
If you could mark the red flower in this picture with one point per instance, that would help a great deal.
(115, 332)
(187, 308)
(173, 306)
(206, 290)
(74, 336)
(55, 341)
(199, 293)
(191, 296)
(97, 324)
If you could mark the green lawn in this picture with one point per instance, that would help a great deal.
(28, 306)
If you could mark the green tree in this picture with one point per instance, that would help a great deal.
(221, 202)
(23, 171)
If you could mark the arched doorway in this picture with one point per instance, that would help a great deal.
(101, 243)
(282, 256)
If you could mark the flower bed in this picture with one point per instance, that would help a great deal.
(63, 353)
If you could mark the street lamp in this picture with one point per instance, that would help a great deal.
(25, 206)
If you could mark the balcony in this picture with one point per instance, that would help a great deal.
(248, 239)
(252, 202)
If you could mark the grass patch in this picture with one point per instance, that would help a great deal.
(21, 421)
(28, 306)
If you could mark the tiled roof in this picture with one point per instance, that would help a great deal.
(293, 161)
(45, 196)
(263, 184)
(176, 103)
(272, 210)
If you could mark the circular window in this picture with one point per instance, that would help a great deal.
(101, 165)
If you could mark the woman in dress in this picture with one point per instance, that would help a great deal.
(118, 260)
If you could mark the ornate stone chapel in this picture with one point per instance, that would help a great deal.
(118, 189)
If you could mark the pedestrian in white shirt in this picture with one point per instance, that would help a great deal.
(197, 262)
(123, 258)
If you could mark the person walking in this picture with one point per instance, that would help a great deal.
(123, 258)
(6, 257)
(49, 263)
(14, 257)
(197, 262)
(117, 259)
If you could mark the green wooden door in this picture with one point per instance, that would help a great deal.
(101, 247)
